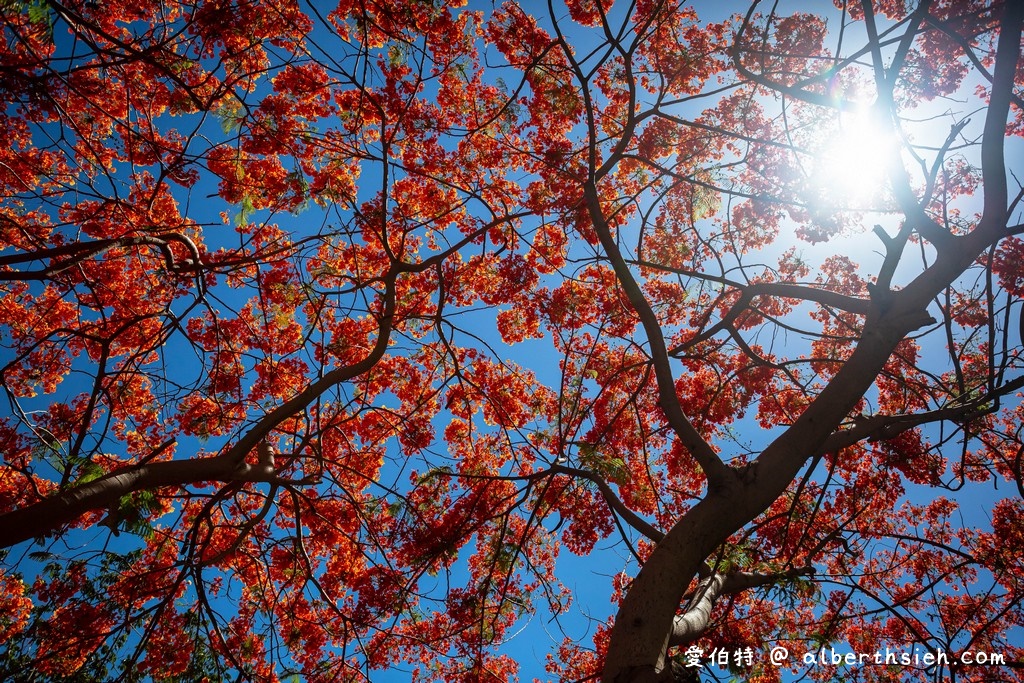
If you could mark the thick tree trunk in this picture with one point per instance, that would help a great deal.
(644, 623)
(640, 637)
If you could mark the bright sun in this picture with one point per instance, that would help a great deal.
(851, 167)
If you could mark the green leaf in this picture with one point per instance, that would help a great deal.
(396, 55)
(39, 13)
(230, 114)
(442, 471)
(245, 211)
(90, 472)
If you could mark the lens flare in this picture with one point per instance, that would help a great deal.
(851, 168)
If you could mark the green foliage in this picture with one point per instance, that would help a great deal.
(39, 13)
(133, 514)
(504, 556)
(74, 470)
(245, 211)
(443, 472)
(396, 55)
(231, 114)
(734, 557)
(609, 467)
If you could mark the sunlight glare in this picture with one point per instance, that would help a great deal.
(852, 165)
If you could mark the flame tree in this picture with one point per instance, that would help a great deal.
(327, 329)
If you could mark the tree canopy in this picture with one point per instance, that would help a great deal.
(348, 342)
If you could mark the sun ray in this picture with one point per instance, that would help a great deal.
(850, 169)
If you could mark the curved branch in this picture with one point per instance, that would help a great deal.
(630, 517)
(50, 514)
(692, 624)
(717, 471)
(993, 168)
(882, 427)
(782, 290)
(77, 252)
(41, 518)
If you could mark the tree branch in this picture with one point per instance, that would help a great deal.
(717, 472)
(77, 252)
(630, 517)
(882, 427)
(695, 620)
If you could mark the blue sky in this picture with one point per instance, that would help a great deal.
(588, 577)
